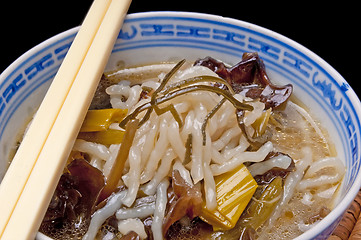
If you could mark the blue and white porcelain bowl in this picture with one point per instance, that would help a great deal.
(164, 36)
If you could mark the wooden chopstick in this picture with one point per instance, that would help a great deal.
(27, 188)
(19, 171)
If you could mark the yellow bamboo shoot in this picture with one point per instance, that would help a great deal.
(234, 191)
(107, 137)
(260, 124)
(100, 120)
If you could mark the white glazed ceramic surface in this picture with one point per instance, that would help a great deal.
(168, 36)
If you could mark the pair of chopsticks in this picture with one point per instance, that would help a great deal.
(31, 179)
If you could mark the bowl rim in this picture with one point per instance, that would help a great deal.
(342, 206)
(42, 46)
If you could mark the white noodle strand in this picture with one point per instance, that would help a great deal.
(197, 148)
(95, 149)
(291, 183)
(162, 171)
(160, 206)
(134, 176)
(226, 137)
(113, 204)
(209, 183)
(257, 156)
(149, 143)
(331, 162)
(137, 212)
(132, 224)
(150, 70)
(113, 149)
(183, 172)
(175, 140)
(155, 156)
(281, 161)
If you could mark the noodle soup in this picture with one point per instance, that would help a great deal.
(195, 150)
(168, 37)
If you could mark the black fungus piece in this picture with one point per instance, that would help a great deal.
(73, 201)
(271, 174)
(250, 78)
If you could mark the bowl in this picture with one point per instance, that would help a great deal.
(168, 36)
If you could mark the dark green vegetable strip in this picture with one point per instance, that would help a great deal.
(198, 79)
(180, 88)
(149, 106)
(167, 78)
(237, 104)
(135, 113)
(259, 210)
(209, 116)
(170, 108)
(153, 100)
(118, 166)
(187, 157)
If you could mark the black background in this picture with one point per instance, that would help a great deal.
(329, 30)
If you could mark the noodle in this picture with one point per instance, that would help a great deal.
(291, 184)
(99, 217)
(175, 140)
(319, 181)
(187, 125)
(223, 141)
(162, 172)
(149, 142)
(209, 183)
(197, 171)
(132, 224)
(157, 153)
(114, 149)
(94, 149)
(133, 176)
(323, 163)
(242, 146)
(183, 172)
(257, 156)
(138, 212)
(159, 212)
(281, 161)
(138, 75)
